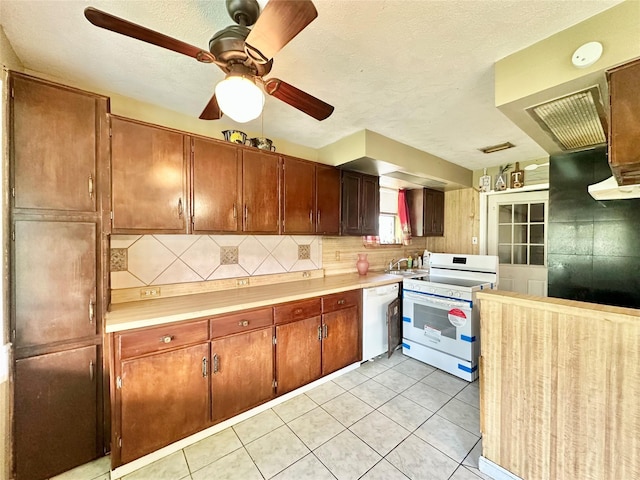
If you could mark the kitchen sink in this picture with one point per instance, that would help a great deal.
(410, 272)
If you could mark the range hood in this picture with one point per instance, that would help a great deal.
(610, 190)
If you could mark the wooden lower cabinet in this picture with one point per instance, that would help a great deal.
(341, 339)
(298, 353)
(174, 380)
(163, 397)
(241, 372)
(56, 415)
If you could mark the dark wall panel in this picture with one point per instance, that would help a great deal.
(593, 246)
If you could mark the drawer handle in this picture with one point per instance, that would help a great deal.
(297, 311)
(342, 301)
(243, 323)
(166, 339)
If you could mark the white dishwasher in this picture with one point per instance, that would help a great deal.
(375, 334)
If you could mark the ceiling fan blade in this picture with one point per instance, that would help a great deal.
(304, 102)
(279, 22)
(212, 110)
(115, 24)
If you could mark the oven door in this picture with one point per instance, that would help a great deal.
(444, 324)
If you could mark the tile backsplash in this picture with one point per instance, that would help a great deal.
(140, 260)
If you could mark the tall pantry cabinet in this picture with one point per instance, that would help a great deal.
(57, 174)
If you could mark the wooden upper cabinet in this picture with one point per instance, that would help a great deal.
(370, 204)
(360, 204)
(54, 282)
(54, 145)
(149, 192)
(217, 186)
(624, 139)
(426, 212)
(55, 416)
(298, 196)
(260, 192)
(327, 200)
(351, 212)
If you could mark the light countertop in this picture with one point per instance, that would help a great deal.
(146, 313)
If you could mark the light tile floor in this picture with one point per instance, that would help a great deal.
(390, 419)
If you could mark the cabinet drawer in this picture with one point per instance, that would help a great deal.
(161, 338)
(241, 322)
(338, 301)
(289, 312)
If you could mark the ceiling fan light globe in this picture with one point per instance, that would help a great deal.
(239, 98)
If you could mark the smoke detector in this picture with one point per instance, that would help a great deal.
(586, 55)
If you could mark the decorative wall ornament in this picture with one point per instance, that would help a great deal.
(485, 182)
(501, 178)
(517, 177)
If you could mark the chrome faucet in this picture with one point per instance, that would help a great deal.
(397, 264)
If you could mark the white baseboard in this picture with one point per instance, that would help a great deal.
(196, 437)
(495, 471)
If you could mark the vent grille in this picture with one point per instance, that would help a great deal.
(574, 121)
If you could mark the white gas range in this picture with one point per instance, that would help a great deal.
(441, 324)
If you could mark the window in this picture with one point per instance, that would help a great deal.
(521, 234)
(389, 223)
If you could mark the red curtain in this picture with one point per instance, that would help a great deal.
(403, 215)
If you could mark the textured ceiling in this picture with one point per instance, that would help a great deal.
(420, 72)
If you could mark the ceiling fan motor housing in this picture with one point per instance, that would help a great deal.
(227, 46)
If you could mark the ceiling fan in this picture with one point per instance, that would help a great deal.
(245, 55)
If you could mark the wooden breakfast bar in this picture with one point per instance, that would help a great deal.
(559, 389)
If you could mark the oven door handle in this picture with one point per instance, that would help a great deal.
(428, 299)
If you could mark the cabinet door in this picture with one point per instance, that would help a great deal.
(624, 93)
(415, 202)
(149, 179)
(241, 372)
(394, 326)
(434, 213)
(55, 412)
(327, 200)
(351, 212)
(216, 186)
(54, 281)
(298, 196)
(260, 191)
(341, 343)
(164, 397)
(54, 146)
(298, 353)
(370, 204)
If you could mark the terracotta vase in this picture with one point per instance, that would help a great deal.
(362, 264)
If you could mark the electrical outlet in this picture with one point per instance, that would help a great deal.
(150, 292)
(337, 255)
(242, 282)
(474, 240)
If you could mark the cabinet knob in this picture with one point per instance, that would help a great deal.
(166, 339)
(297, 311)
(342, 301)
(243, 323)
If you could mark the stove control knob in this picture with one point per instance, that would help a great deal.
(458, 294)
(432, 290)
(450, 293)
